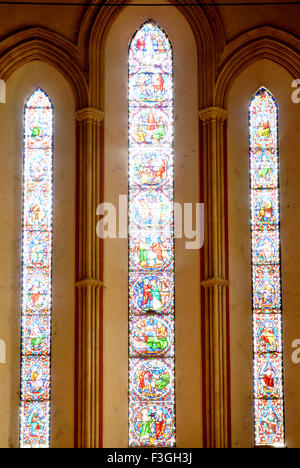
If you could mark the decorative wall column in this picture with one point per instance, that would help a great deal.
(89, 276)
(215, 321)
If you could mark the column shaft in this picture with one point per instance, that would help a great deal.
(89, 271)
(215, 315)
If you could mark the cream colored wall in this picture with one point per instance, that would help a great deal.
(188, 344)
(278, 81)
(19, 87)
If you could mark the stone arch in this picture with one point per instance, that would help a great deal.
(265, 42)
(206, 25)
(40, 44)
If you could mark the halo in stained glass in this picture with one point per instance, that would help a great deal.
(35, 424)
(151, 169)
(267, 338)
(151, 293)
(152, 425)
(152, 379)
(151, 86)
(36, 378)
(36, 272)
(151, 336)
(265, 172)
(151, 250)
(266, 289)
(268, 375)
(150, 127)
(266, 248)
(265, 209)
(266, 270)
(36, 334)
(151, 239)
(269, 422)
(151, 209)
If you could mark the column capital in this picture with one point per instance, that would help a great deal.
(213, 113)
(89, 282)
(215, 281)
(89, 114)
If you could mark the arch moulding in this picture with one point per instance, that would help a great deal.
(261, 43)
(41, 44)
(205, 24)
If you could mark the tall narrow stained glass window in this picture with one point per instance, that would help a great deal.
(36, 272)
(266, 270)
(151, 240)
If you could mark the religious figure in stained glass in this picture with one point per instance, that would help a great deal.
(151, 240)
(266, 270)
(36, 272)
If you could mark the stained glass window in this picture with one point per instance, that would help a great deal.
(151, 240)
(36, 272)
(266, 274)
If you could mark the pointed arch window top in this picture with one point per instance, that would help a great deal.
(263, 113)
(263, 93)
(150, 46)
(38, 99)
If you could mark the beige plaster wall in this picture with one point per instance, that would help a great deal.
(278, 81)
(188, 345)
(19, 87)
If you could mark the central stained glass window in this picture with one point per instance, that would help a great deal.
(266, 271)
(151, 240)
(36, 272)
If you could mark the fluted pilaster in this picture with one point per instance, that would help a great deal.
(214, 281)
(88, 279)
